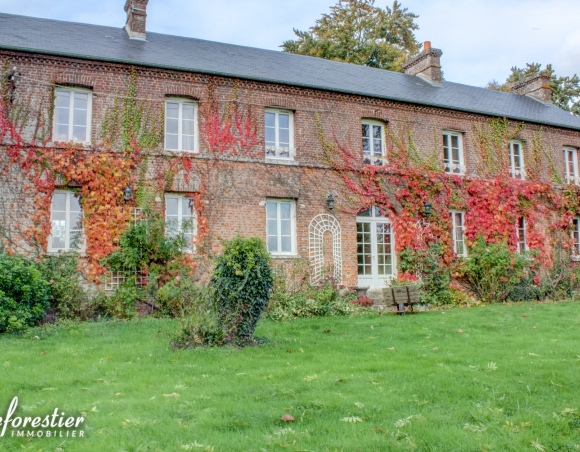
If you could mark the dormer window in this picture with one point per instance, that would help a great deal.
(453, 153)
(571, 162)
(373, 142)
(279, 130)
(516, 160)
(72, 115)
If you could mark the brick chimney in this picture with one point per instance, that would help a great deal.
(536, 86)
(426, 65)
(136, 18)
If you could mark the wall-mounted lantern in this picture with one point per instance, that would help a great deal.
(427, 208)
(330, 202)
(128, 192)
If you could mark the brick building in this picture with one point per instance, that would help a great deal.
(281, 194)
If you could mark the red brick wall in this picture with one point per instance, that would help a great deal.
(236, 196)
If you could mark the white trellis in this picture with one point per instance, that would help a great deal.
(318, 226)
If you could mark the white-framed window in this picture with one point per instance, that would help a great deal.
(66, 217)
(571, 162)
(521, 235)
(72, 115)
(453, 152)
(181, 219)
(281, 226)
(458, 228)
(576, 237)
(279, 134)
(181, 125)
(516, 160)
(373, 141)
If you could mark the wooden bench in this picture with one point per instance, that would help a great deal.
(403, 297)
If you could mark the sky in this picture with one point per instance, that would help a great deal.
(480, 39)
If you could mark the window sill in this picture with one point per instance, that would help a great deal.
(286, 256)
(281, 161)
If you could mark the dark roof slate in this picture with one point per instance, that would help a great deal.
(95, 42)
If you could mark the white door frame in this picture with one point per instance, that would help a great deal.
(373, 279)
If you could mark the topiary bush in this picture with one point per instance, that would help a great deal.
(24, 294)
(242, 283)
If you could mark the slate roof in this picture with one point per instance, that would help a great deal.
(95, 42)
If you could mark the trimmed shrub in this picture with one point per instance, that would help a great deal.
(242, 282)
(24, 294)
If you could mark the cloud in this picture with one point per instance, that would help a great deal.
(481, 39)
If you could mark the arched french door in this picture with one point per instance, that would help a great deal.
(375, 249)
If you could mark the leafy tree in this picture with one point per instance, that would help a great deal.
(565, 90)
(358, 32)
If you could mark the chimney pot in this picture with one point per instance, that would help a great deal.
(426, 65)
(136, 19)
(536, 86)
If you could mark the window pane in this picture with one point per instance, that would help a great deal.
(284, 121)
(286, 227)
(75, 205)
(454, 141)
(188, 112)
(366, 130)
(378, 147)
(364, 213)
(59, 202)
(273, 244)
(81, 101)
(172, 110)
(62, 99)
(61, 132)
(286, 245)
(366, 146)
(171, 125)
(171, 142)
(188, 143)
(284, 210)
(377, 132)
(188, 127)
(271, 210)
(80, 133)
(272, 227)
(186, 207)
(270, 120)
(171, 206)
(284, 135)
(270, 136)
(61, 115)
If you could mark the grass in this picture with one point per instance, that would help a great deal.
(506, 383)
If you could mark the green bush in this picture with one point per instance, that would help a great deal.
(242, 281)
(434, 274)
(493, 271)
(312, 302)
(182, 296)
(121, 304)
(67, 294)
(24, 294)
(198, 324)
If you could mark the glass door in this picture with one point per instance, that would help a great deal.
(375, 249)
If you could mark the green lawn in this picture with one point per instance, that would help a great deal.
(506, 383)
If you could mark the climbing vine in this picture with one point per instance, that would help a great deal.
(493, 202)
